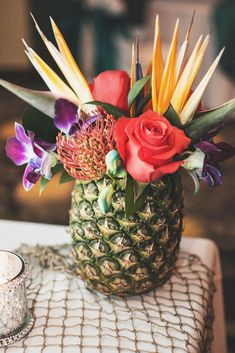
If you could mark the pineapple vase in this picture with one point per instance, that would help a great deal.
(126, 256)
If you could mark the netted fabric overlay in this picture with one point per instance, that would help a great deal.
(69, 318)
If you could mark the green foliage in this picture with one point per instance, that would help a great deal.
(110, 109)
(135, 196)
(208, 120)
(44, 182)
(41, 124)
(136, 89)
(172, 117)
(43, 101)
(142, 104)
(65, 178)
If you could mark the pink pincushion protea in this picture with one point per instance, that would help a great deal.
(83, 153)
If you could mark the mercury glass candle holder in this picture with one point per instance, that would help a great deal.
(15, 318)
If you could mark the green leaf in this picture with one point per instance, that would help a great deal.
(44, 182)
(65, 178)
(42, 125)
(43, 101)
(132, 205)
(208, 120)
(205, 112)
(172, 117)
(138, 189)
(142, 104)
(110, 109)
(140, 200)
(136, 89)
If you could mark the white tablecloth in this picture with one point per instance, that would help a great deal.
(12, 234)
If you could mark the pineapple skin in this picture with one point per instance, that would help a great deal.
(119, 256)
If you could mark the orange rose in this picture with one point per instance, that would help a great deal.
(148, 144)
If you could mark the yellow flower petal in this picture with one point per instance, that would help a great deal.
(68, 71)
(52, 80)
(182, 56)
(194, 100)
(188, 76)
(180, 59)
(157, 65)
(168, 78)
(77, 80)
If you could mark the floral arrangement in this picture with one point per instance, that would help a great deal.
(139, 127)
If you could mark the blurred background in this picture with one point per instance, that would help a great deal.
(100, 34)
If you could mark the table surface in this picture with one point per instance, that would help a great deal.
(12, 234)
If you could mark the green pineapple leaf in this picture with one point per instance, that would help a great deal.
(172, 117)
(65, 178)
(135, 195)
(110, 109)
(43, 101)
(208, 120)
(136, 89)
(42, 125)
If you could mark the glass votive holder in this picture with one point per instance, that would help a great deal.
(16, 320)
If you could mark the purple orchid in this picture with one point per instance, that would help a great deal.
(214, 154)
(37, 154)
(66, 114)
(68, 117)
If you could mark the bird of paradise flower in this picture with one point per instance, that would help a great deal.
(171, 82)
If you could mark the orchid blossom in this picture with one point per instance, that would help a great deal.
(214, 154)
(204, 161)
(38, 155)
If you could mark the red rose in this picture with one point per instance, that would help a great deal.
(112, 87)
(147, 145)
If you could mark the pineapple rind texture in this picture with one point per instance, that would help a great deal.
(119, 256)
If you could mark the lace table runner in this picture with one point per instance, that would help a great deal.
(69, 318)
